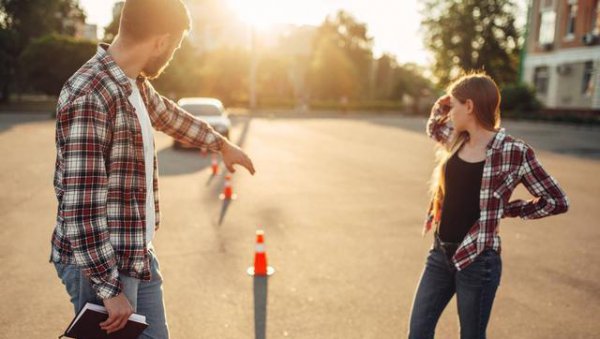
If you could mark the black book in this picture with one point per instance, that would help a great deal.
(86, 325)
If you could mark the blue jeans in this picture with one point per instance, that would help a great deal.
(475, 287)
(146, 297)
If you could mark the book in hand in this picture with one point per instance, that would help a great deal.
(86, 325)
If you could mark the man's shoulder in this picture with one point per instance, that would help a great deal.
(91, 82)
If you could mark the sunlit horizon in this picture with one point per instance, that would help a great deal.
(395, 26)
(400, 38)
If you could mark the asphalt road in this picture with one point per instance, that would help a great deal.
(341, 201)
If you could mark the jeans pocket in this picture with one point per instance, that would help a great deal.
(481, 271)
(60, 269)
(70, 277)
(67, 272)
(155, 266)
(492, 267)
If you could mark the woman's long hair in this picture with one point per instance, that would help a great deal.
(484, 93)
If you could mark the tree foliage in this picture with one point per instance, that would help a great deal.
(22, 21)
(68, 55)
(342, 59)
(472, 35)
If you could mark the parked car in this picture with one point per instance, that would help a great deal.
(210, 110)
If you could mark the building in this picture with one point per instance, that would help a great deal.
(562, 57)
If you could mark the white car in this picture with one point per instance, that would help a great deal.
(210, 110)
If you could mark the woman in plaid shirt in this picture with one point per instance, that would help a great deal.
(478, 169)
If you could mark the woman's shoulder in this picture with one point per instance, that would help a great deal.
(512, 153)
(514, 144)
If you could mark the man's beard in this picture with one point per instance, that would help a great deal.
(156, 66)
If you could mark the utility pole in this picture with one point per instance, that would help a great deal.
(523, 52)
(253, 65)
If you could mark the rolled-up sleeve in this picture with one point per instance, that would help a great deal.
(438, 126)
(171, 119)
(549, 198)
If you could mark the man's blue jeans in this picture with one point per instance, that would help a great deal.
(146, 297)
(475, 287)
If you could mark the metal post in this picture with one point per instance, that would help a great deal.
(253, 65)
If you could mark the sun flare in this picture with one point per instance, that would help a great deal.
(263, 14)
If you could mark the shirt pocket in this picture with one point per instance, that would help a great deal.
(505, 184)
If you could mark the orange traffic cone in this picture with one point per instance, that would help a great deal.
(260, 267)
(227, 190)
(214, 165)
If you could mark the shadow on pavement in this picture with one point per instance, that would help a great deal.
(226, 203)
(242, 138)
(260, 307)
(218, 187)
(174, 161)
(212, 177)
(177, 162)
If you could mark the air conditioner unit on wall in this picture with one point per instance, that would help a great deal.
(590, 38)
(548, 46)
(563, 69)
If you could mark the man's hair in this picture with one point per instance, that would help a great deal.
(141, 19)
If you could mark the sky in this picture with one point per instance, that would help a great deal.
(394, 25)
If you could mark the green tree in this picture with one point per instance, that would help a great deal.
(8, 45)
(34, 18)
(68, 54)
(274, 77)
(410, 81)
(110, 31)
(332, 74)
(393, 81)
(472, 35)
(182, 76)
(224, 74)
(385, 77)
(25, 20)
(341, 64)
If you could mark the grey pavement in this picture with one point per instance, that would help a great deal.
(342, 202)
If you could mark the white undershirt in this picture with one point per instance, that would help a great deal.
(148, 139)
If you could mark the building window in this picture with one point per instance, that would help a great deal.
(596, 20)
(540, 79)
(571, 18)
(547, 26)
(588, 77)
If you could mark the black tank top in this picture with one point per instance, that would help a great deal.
(460, 209)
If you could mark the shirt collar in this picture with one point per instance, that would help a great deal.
(113, 69)
(497, 140)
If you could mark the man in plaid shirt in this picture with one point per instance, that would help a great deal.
(106, 178)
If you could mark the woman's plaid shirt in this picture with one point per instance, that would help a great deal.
(508, 162)
(100, 178)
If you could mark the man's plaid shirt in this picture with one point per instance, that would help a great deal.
(508, 162)
(100, 178)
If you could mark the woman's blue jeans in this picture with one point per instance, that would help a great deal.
(475, 287)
